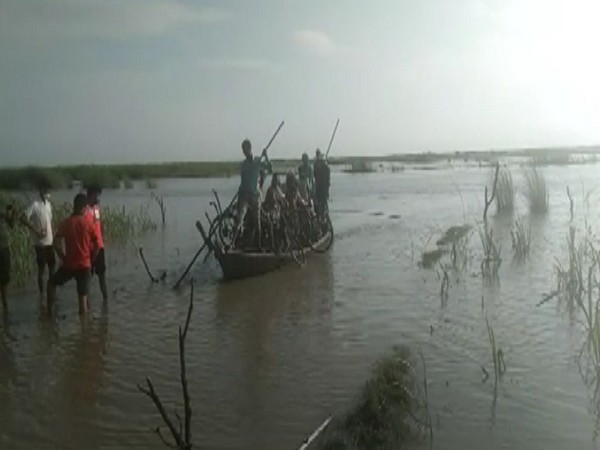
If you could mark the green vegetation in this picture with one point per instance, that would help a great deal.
(490, 265)
(497, 357)
(387, 411)
(505, 192)
(536, 191)
(431, 257)
(111, 176)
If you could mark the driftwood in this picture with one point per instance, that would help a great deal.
(181, 435)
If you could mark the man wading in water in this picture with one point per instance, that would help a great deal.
(248, 192)
(92, 212)
(81, 248)
(38, 218)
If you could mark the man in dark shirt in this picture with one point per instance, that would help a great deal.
(322, 182)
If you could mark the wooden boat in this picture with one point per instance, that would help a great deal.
(239, 263)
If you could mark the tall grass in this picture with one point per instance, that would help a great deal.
(505, 192)
(536, 191)
(521, 239)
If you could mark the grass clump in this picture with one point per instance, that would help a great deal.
(536, 191)
(521, 239)
(431, 257)
(505, 192)
(387, 411)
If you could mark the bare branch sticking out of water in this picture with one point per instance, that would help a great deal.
(571, 203)
(182, 438)
(490, 200)
(152, 277)
(315, 434)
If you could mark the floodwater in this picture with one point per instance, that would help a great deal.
(270, 358)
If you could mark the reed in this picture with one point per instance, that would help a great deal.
(490, 265)
(505, 192)
(521, 239)
(536, 191)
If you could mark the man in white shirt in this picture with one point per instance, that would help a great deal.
(39, 221)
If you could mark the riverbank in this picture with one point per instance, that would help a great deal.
(122, 175)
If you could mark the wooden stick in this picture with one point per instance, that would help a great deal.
(315, 434)
(152, 277)
(187, 411)
(264, 152)
(150, 392)
(331, 140)
(489, 201)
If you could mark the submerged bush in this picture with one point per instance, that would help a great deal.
(387, 410)
(536, 191)
(505, 192)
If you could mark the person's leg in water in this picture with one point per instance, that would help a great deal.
(60, 277)
(83, 278)
(40, 259)
(100, 270)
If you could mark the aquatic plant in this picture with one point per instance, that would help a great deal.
(390, 408)
(127, 183)
(431, 257)
(536, 191)
(490, 265)
(151, 184)
(160, 201)
(521, 239)
(497, 356)
(505, 192)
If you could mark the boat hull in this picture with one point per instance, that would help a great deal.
(237, 264)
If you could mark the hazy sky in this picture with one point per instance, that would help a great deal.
(154, 80)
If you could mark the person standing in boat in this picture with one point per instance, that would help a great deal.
(305, 178)
(248, 193)
(322, 181)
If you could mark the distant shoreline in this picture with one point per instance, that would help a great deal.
(122, 175)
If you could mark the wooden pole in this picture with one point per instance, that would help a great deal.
(331, 140)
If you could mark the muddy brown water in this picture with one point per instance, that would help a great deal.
(270, 358)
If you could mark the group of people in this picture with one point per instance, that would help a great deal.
(308, 188)
(77, 242)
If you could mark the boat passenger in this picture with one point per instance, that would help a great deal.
(322, 182)
(92, 212)
(305, 178)
(248, 192)
(292, 192)
(274, 196)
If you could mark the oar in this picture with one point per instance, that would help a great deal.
(331, 140)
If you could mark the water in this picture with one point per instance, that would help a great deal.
(270, 358)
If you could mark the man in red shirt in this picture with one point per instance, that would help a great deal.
(80, 249)
(92, 212)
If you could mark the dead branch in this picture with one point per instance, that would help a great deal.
(182, 438)
(489, 201)
(152, 277)
(571, 203)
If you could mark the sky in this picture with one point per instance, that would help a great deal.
(112, 81)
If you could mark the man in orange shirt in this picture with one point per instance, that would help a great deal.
(92, 212)
(80, 249)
